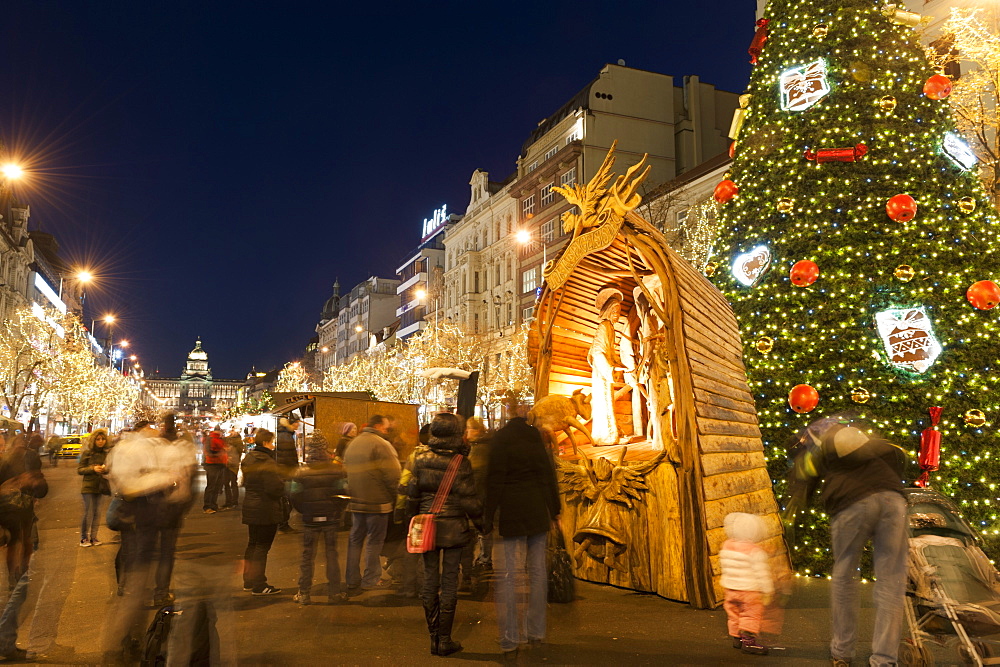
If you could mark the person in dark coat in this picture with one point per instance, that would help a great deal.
(521, 485)
(95, 485)
(319, 493)
(234, 455)
(261, 510)
(452, 529)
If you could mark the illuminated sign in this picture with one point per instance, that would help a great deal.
(49, 293)
(436, 221)
(908, 338)
(750, 266)
(801, 87)
(958, 151)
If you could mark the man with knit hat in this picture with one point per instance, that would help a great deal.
(319, 493)
(863, 494)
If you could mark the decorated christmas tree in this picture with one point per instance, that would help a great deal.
(857, 248)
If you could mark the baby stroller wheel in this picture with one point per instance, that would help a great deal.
(913, 656)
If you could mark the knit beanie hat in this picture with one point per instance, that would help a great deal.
(316, 448)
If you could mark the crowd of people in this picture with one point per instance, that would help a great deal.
(361, 480)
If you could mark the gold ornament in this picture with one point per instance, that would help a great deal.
(821, 30)
(966, 204)
(711, 268)
(785, 205)
(902, 16)
(860, 395)
(765, 344)
(887, 103)
(904, 273)
(975, 418)
(861, 71)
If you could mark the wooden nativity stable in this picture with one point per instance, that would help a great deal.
(671, 444)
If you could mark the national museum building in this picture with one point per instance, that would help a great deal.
(195, 395)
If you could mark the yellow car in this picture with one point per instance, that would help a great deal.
(71, 445)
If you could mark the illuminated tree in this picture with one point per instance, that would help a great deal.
(838, 286)
(293, 378)
(969, 39)
(28, 345)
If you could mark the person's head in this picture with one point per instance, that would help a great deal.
(317, 448)
(446, 425)
(263, 438)
(169, 428)
(348, 429)
(424, 436)
(98, 439)
(474, 429)
(379, 423)
(36, 441)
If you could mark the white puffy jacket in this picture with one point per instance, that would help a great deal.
(744, 562)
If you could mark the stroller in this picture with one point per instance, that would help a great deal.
(953, 591)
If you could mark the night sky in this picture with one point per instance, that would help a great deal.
(217, 165)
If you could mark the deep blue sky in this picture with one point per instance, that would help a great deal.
(218, 164)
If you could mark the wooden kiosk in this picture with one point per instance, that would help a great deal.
(673, 444)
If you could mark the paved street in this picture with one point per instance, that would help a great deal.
(605, 626)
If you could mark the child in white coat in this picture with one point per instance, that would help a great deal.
(747, 580)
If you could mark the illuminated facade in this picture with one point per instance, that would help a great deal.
(195, 394)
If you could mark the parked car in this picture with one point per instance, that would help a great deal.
(71, 445)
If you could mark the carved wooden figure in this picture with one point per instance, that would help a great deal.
(645, 502)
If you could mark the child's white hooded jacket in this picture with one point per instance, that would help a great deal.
(744, 562)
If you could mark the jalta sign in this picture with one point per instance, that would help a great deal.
(435, 222)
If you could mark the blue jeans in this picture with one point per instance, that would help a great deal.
(521, 577)
(311, 536)
(8, 620)
(880, 517)
(91, 516)
(367, 530)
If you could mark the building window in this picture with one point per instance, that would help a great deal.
(681, 218)
(569, 178)
(475, 323)
(528, 280)
(574, 136)
(533, 166)
(528, 206)
(510, 313)
(549, 231)
(528, 313)
(547, 194)
(552, 151)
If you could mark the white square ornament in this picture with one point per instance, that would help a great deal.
(908, 338)
(801, 87)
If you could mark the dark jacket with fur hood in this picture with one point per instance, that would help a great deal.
(463, 504)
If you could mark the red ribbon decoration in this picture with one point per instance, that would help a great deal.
(930, 448)
(758, 40)
(837, 154)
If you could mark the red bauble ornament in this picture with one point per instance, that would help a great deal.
(803, 398)
(937, 87)
(984, 294)
(804, 273)
(901, 208)
(725, 191)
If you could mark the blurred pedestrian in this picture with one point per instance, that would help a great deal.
(234, 455)
(319, 491)
(348, 431)
(176, 456)
(372, 476)
(478, 556)
(286, 455)
(521, 486)
(21, 484)
(262, 511)
(215, 460)
(441, 463)
(95, 485)
(53, 447)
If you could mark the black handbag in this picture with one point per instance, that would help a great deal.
(562, 583)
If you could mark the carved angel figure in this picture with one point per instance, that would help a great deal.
(608, 491)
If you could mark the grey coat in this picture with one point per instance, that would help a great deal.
(373, 472)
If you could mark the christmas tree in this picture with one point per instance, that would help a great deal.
(855, 242)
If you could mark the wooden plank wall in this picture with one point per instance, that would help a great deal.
(732, 453)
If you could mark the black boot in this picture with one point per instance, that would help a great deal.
(433, 615)
(445, 644)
